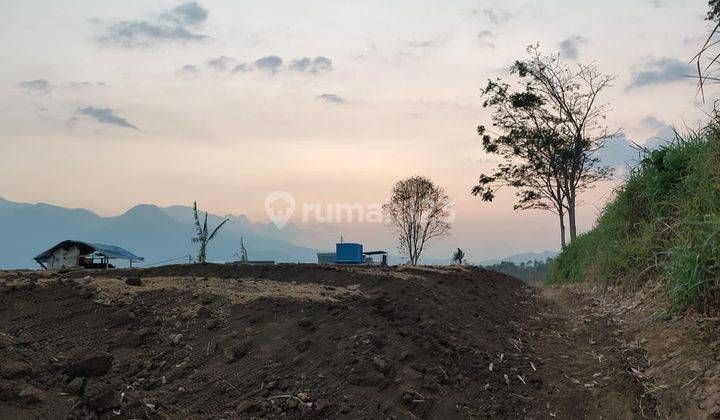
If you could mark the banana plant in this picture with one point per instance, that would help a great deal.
(201, 236)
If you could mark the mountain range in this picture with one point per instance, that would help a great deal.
(161, 235)
(155, 233)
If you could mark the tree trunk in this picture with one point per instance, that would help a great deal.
(571, 218)
(562, 229)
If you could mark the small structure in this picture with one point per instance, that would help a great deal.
(326, 257)
(350, 253)
(70, 254)
(383, 257)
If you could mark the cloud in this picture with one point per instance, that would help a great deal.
(82, 85)
(131, 34)
(331, 98)
(105, 116)
(189, 13)
(497, 16)
(242, 68)
(427, 43)
(188, 72)
(175, 25)
(39, 85)
(221, 64)
(307, 65)
(652, 123)
(659, 71)
(486, 39)
(569, 47)
(270, 63)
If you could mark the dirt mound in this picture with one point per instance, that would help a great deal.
(309, 341)
(301, 341)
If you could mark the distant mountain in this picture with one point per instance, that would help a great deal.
(522, 258)
(157, 234)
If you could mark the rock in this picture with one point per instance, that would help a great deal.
(234, 352)
(204, 313)
(122, 317)
(303, 345)
(176, 338)
(7, 391)
(129, 339)
(85, 365)
(13, 369)
(206, 298)
(101, 396)
(353, 287)
(212, 324)
(323, 405)
(305, 322)
(76, 386)
(30, 394)
(133, 281)
(381, 364)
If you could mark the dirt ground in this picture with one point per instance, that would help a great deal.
(309, 341)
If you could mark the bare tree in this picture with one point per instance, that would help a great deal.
(419, 210)
(201, 236)
(551, 128)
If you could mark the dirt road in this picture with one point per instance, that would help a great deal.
(308, 341)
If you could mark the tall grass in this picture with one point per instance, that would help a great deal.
(664, 222)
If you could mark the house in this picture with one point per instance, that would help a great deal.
(70, 254)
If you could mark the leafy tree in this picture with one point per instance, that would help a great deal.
(458, 256)
(530, 272)
(714, 12)
(550, 128)
(420, 211)
(201, 235)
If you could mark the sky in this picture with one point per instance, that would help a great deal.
(104, 105)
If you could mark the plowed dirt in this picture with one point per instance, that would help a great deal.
(307, 341)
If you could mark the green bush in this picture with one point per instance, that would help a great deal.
(664, 222)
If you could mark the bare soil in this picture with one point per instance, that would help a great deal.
(309, 341)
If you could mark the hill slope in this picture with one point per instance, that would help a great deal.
(664, 223)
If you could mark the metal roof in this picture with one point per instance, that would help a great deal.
(111, 251)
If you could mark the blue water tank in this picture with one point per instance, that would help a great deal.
(349, 253)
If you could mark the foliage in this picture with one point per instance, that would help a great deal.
(529, 272)
(664, 222)
(714, 12)
(458, 257)
(706, 60)
(550, 129)
(201, 235)
(419, 211)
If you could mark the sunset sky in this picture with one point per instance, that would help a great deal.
(107, 104)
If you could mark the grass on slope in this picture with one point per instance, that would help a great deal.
(664, 221)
